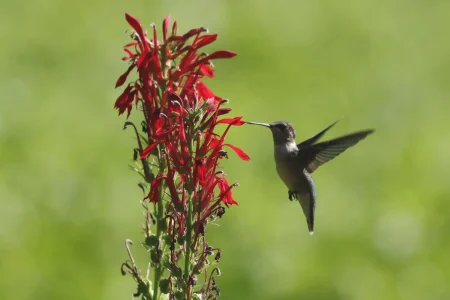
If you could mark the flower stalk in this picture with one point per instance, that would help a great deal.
(178, 156)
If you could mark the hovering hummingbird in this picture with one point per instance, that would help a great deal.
(296, 162)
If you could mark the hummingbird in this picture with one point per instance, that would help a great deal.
(296, 162)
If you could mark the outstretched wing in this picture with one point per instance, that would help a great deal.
(315, 138)
(318, 154)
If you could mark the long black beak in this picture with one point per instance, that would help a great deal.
(261, 124)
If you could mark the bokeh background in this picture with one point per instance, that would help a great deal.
(68, 199)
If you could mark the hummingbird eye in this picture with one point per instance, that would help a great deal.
(282, 127)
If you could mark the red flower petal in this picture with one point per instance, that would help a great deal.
(207, 71)
(143, 60)
(154, 188)
(221, 54)
(225, 189)
(205, 40)
(173, 97)
(205, 93)
(166, 23)
(130, 102)
(187, 59)
(149, 149)
(174, 28)
(158, 125)
(131, 44)
(216, 55)
(200, 170)
(124, 76)
(231, 121)
(134, 23)
(223, 111)
(155, 41)
(192, 32)
(123, 101)
(130, 54)
(239, 152)
(161, 133)
(214, 143)
(175, 103)
(171, 185)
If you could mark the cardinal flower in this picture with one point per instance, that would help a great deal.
(178, 155)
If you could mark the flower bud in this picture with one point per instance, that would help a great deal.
(152, 241)
(164, 286)
(180, 240)
(217, 257)
(156, 255)
(176, 271)
(193, 280)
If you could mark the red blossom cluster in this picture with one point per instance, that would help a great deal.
(180, 145)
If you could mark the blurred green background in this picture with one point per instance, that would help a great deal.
(68, 200)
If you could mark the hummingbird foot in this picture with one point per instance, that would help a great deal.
(292, 195)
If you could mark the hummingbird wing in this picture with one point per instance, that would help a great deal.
(315, 138)
(318, 154)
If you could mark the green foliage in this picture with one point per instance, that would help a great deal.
(68, 200)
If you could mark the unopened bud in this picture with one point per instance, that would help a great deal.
(175, 102)
(144, 126)
(176, 271)
(135, 36)
(217, 257)
(220, 212)
(136, 153)
(124, 268)
(199, 267)
(156, 255)
(142, 186)
(180, 240)
(193, 280)
(164, 286)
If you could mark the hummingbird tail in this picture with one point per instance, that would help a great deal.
(311, 226)
(308, 204)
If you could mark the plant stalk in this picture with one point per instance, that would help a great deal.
(159, 220)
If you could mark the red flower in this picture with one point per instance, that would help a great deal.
(179, 141)
(225, 191)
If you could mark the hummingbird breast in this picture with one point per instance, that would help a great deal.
(290, 168)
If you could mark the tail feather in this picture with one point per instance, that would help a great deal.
(308, 205)
(311, 226)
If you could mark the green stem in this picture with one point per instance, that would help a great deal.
(189, 225)
(188, 240)
(147, 295)
(156, 283)
(159, 220)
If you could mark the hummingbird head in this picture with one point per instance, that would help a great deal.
(282, 131)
